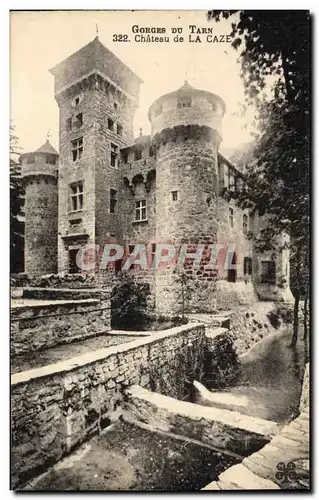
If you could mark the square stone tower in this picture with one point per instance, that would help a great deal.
(97, 96)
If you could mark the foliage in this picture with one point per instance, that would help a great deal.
(185, 285)
(128, 303)
(222, 366)
(274, 48)
(16, 208)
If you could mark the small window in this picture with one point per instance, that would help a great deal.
(113, 201)
(248, 265)
(69, 124)
(231, 217)
(115, 104)
(77, 148)
(131, 250)
(184, 102)
(77, 101)
(232, 270)
(137, 154)
(50, 159)
(268, 272)
(119, 129)
(140, 210)
(174, 195)
(31, 158)
(152, 256)
(76, 196)
(79, 120)
(245, 223)
(110, 124)
(114, 155)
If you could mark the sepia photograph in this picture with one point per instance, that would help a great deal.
(160, 250)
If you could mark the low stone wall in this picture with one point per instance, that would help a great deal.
(221, 361)
(223, 429)
(250, 325)
(57, 407)
(305, 392)
(37, 293)
(53, 280)
(45, 323)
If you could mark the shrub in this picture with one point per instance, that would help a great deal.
(128, 303)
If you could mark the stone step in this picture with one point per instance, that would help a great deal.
(241, 477)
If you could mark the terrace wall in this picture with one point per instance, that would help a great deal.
(57, 407)
(50, 317)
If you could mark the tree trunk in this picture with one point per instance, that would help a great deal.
(305, 317)
(294, 337)
(183, 301)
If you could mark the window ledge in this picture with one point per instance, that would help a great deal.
(76, 212)
(140, 221)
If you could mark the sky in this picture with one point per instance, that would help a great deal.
(40, 40)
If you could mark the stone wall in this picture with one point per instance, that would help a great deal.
(251, 325)
(57, 407)
(234, 295)
(226, 430)
(53, 280)
(47, 323)
(305, 393)
(186, 162)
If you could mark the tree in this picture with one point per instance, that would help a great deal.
(274, 51)
(16, 207)
(184, 283)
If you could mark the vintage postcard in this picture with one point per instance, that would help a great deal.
(160, 271)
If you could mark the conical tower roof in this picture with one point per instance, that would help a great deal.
(47, 148)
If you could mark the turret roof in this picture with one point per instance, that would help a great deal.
(47, 148)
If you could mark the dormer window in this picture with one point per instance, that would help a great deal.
(184, 102)
(50, 159)
(137, 154)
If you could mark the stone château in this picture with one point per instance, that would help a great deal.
(104, 186)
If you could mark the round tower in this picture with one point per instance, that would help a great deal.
(186, 134)
(39, 172)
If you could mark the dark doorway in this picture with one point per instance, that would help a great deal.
(73, 268)
(248, 265)
(232, 270)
